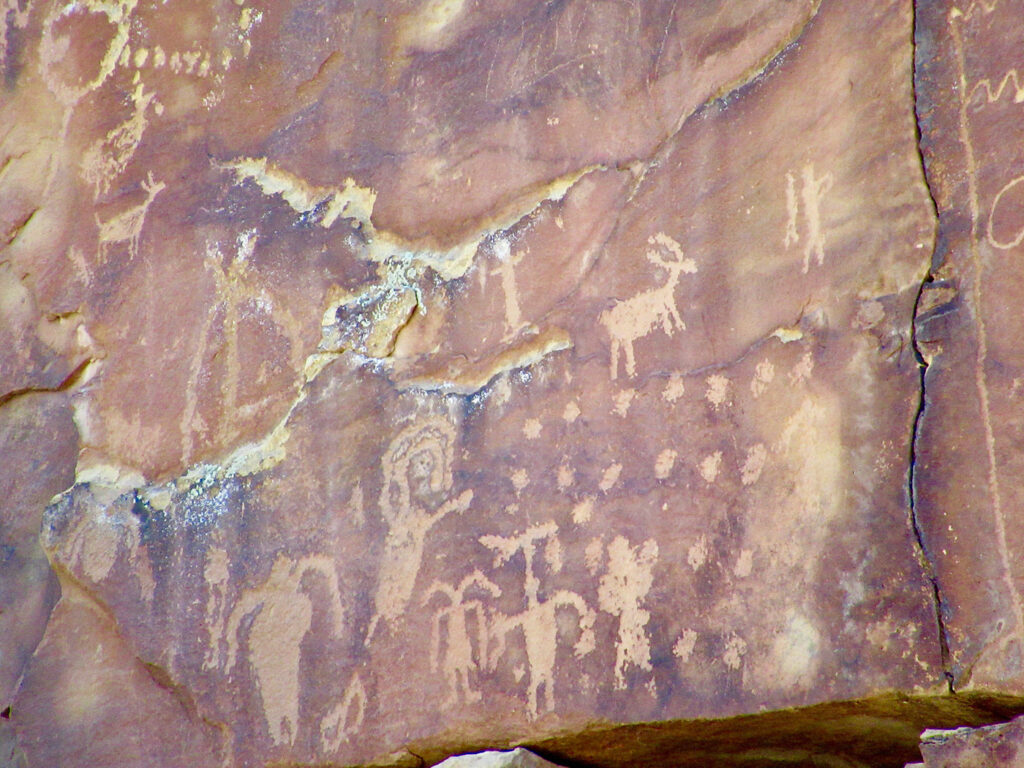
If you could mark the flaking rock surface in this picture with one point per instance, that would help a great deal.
(451, 371)
(994, 746)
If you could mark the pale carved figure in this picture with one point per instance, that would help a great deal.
(126, 227)
(621, 591)
(537, 621)
(507, 272)
(1005, 242)
(460, 656)
(812, 193)
(217, 578)
(56, 45)
(241, 295)
(1011, 81)
(282, 615)
(346, 717)
(108, 157)
(639, 315)
(417, 471)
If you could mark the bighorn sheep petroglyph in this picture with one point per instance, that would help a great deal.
(633, 318)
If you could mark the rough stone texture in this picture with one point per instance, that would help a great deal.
(39, 444)
(994, 746)
(969, 456)
(884, 731)
(11, 755)
(514, 758)
(475, 373)
(97, 704)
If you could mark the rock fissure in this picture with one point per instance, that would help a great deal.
(81, 373)
(18, 226)
(783, 334)
(180, 692)
(922, 364)
(922, 550)
(877, 732)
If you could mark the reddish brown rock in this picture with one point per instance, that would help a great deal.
(38, 443)
(11, 755)
(577, 465)
(969, 461)
(38, 350)
(469, 373)
(131, 121)
(87, 700)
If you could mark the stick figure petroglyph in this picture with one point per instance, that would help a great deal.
(459, 658)
(507, 272)
(811, 194)
(538, 621)
(634, 318)
(417, 471)
(282, 615)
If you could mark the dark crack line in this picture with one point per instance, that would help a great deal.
(70, 382)
(922, 402)
(926, 563)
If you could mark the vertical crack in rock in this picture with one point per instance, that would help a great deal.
(922, 552)
(15, 230)
(922, 402)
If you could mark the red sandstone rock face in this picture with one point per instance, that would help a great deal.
(461, 372)
(970, 463)
(174, 130)
(99, 705)
(38, 441)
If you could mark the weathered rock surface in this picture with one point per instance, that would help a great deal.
(97, 704)
(969, 458)
(39, 444)
(453, 375)
(994, 746)
(514, 758)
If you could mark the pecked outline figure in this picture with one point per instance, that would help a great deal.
(417, 470)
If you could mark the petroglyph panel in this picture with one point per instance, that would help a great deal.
(476, 371)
